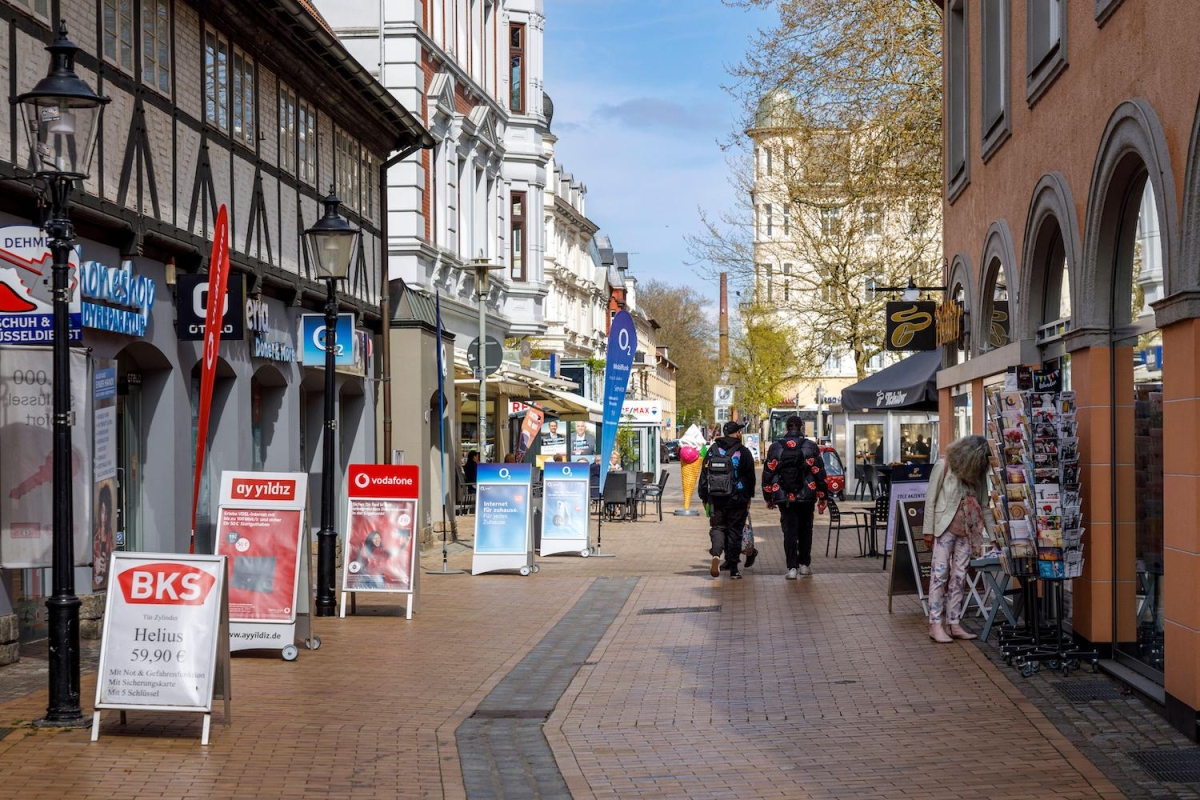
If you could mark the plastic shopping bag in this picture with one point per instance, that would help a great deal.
(748, 536)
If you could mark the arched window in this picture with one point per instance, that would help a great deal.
(996, 321)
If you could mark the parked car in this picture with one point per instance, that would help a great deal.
(669, 450)
(835, 473)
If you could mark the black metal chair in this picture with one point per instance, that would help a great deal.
(879, 517)
(872, 478)
(616, 495)
(860, 481)
(654, 492)
(861, 525)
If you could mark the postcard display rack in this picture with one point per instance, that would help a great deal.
(1034, 487)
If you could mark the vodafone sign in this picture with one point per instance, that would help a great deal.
(170, 584)
(401, 481)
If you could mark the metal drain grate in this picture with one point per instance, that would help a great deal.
(1170, 766)
(680, 610)
(511, 713)
(1087, 691)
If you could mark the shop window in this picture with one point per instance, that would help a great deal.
(916, 442)
(957, 99)
(997, 326)
(516, 61)
(1045, 45)
(518, 236)
(156, 44)
(868, 443)
(995, 50)
(117, 20)
(287, 129)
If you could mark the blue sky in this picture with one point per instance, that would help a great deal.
(639, 111)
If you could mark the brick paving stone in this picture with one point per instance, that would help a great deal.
(804, 689)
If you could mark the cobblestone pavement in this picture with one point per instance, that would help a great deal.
(658, 681)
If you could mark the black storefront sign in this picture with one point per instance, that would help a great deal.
(192, 291)
(910, 326)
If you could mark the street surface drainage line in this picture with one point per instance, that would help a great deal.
(501, 746)
(680, 610)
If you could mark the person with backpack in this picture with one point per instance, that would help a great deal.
(793, 481)
(727, 483)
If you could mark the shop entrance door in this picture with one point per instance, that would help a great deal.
(129, 463)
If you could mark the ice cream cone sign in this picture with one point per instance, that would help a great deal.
(690, 462)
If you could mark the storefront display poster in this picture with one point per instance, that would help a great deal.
(502, 509)
(380, 551)
(565, 503)
(263, 547)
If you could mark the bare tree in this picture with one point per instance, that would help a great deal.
(762, 363)
(689, 330)
(842, 181)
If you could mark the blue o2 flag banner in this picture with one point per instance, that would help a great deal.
(622, 344)
(502, 508)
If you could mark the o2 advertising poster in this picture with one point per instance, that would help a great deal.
(381, 528)
(502, 493)
(565, 503)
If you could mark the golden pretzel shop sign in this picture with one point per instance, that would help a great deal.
(910, 326)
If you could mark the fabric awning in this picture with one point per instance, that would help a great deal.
(911, 384)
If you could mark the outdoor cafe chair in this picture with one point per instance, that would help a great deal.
(654, 492)
(860, 525)
(616, 499)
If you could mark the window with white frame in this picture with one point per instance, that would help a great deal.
(787, 218)
(787, 282)
(1045, 45)
(117, 21)
(831, 221)
(872, 219)
(242, 98)
(39, 8)
(994, 58)
(156, 44)
(306, 142)
(345, 151)
(770, 220)
(287, 129)
(957, 98)
(216, 80)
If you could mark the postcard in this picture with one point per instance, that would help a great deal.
(1045, 476)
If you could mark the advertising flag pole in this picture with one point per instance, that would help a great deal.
(441, 410)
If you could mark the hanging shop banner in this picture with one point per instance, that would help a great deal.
(260, 524)
(191, 310)
(909, 482)
(27, 457)
(381, 528)
(162, 624)
(910, 326)
(26, 303)
(622, 344)
(104, 464)
(312, 340)
(165, 645)
(564, 508)
(218, 268)
(502, 508)
(531, 425)
(116, 299)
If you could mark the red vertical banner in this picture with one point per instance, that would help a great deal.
(218, 279)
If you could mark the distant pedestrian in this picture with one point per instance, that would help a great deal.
(793, 481)
(727, 486)
(955, 512)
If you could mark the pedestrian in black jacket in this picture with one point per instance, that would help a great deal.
(793, 481)
(727, 483)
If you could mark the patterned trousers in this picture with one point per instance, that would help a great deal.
(950, 557)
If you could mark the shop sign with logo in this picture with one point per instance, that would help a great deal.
(122, 299)
(192, 308)
(949, 322)
(642, 411)
(998, 333)
(258, 322)
(910, 326)
(26, 304)
(312, 340)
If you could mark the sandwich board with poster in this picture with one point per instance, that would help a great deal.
(165, 644)
(912, 561)
(565, 505)
(381, 532)
(261, 530)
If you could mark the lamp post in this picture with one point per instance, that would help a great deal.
(820, 397)
(331, 247)
(61, 117)
(482, 270)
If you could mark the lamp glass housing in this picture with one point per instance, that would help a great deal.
(61, 116)
(331, 242)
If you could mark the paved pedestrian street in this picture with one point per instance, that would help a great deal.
(633, 676)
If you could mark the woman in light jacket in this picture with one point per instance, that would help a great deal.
(955, 510)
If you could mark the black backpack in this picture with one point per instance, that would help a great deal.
(791, 471)
(721, 474)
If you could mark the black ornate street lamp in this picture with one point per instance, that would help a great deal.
(61, 117)
(331, 244)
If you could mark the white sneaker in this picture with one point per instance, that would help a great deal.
(791, 575)
(805, 570)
